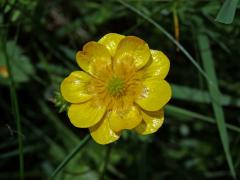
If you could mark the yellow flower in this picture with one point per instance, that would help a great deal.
(121, 87)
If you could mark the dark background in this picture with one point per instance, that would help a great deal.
(40, 39)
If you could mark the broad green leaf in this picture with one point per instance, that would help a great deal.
(227, 12)
(21, 67)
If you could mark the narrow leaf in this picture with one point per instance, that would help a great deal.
(195, 95)
(169, 36)
(179, 112)
(208, 63)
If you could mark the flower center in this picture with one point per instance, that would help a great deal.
(115, 86)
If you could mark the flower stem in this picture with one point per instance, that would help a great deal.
(104, 167)
(15, 107)
(70, 156)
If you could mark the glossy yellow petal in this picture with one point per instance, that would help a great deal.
(159, 67)
(93, 57)
(73, 88)
(156, 93)
(132, 50)
(152, 121)
(86, 114)
(124, 119)
(102, 133)
(111, 41)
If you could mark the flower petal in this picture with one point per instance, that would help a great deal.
(86, 114)
(124, 119)
(159, 67)
(111, 41)
(93, 57)
(156, 93)
(102, 133)
(73, 88)
(152, 121)
(133, 49)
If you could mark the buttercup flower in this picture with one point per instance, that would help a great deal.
(121, 87)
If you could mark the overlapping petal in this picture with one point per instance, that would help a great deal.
(156, 93)
(141, 91)
(111, 41)
(86, 114)
(152, 121)
(134, 50)
(74, 87)
(159, 67)
(124, 119)
(94, 56)
(102, 133)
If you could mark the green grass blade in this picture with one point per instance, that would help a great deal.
(184, 113)
(15, 108)
(60, 126)
(27, 149)
(70, 156)
(227, 11)
(169, 36)
(186, 93)
(208, 63)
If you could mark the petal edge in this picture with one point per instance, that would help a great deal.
(124, 119)
(134, 49)
(93, 57)
(111, 41)
(85, 115)
(159, 67)
(102, 133)
(155, 95)
(73, 88)
(152, 122)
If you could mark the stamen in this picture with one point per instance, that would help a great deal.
(115, 86)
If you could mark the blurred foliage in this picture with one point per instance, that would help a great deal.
(21, 66)
(227, 11)
(42, 39)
